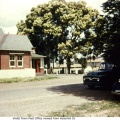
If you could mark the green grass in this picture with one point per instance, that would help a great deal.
(10, 80)
(92, 109)
(16, 80)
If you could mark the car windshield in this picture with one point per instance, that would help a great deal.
(106, 66)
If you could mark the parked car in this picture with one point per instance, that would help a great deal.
(116, 88)
(105, 76)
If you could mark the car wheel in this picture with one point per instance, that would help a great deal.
(91, 86)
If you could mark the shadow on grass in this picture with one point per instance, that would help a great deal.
(81, 90)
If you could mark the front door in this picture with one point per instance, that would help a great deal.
(37, 66)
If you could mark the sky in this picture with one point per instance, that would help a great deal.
(12, 11)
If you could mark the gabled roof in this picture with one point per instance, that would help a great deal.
(15, 42)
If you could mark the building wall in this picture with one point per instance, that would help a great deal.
(5, 56)
(27, 60)
(42, 70)
(4, 60)
(12, 73)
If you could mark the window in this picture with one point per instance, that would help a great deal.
(20, 61)
(12, 61)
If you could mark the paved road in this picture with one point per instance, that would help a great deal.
(41, 98)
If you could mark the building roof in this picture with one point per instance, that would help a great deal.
(99, 60)
(1, 34)
(15, 42)
(35, 56)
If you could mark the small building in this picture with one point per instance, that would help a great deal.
(18, 57)
(95, 63)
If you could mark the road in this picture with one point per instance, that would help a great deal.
(32, 99)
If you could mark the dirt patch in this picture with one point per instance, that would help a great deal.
(41, 98)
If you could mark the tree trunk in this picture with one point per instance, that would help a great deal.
(48, 62)
(68, 64)
(48, 58)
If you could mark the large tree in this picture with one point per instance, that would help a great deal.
(112, 28)
(80, 21)
(60, 27)
(108, 32)
(44, 27)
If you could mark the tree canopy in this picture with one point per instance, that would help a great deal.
(60, 27)
(80, 26)
(44, 27)
(108, 32)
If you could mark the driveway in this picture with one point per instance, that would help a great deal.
(40, 98)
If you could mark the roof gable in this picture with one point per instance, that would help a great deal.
(15, 42)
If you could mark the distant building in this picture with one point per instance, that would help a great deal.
(95, 63)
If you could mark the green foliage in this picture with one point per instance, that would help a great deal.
(91, 109)
(112, 26)
(59, 26)
(83, 62)
(80, 21)
(17, 80)
(107, 40)
(99, 38)
(44, 27)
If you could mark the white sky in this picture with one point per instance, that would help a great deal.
(12, 11)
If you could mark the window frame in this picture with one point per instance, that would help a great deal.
(19, 60)
(10, 60)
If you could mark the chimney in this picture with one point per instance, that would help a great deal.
(34, 50)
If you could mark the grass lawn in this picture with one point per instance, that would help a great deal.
(92, 109)
(15, 80)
